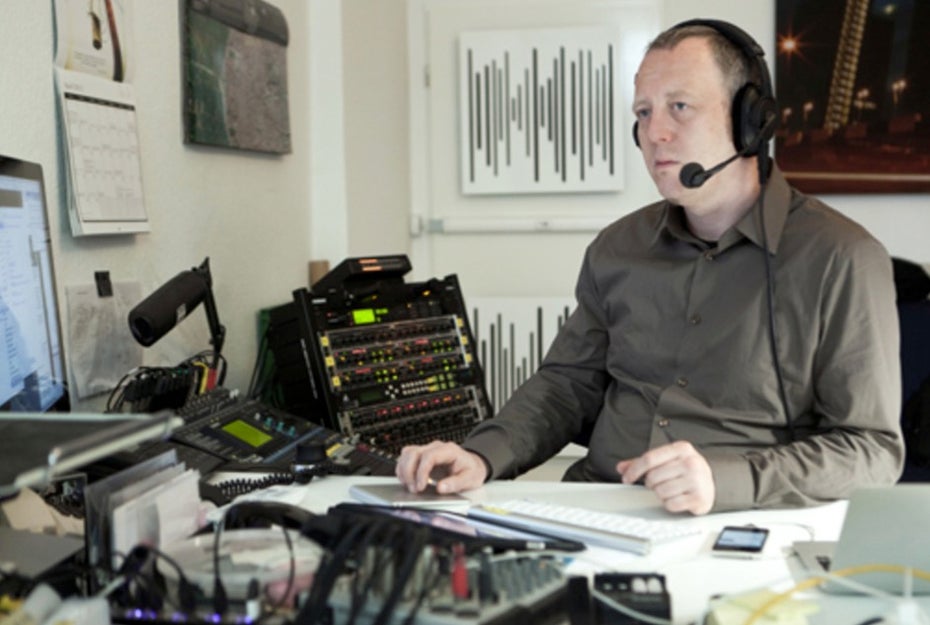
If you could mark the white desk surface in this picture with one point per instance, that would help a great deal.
(693, 575)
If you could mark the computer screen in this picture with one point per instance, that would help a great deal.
(32, 374)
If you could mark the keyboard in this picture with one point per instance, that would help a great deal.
(605, 529)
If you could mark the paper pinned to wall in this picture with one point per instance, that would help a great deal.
(103, 178)
(102, 347)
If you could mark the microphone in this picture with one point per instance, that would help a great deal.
(693, 175)
(152, 318)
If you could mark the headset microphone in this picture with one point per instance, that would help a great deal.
(693, 175)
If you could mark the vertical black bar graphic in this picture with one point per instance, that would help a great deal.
(495, 111)
(581, 117)
(499, 115)
(513, 357)
(487, 116)
(562, 109)
(610, 73)
(574, 114)
(549, 109)
(508, 105)
(539, 335)
(528, 95)
(532, 352)
(604, 114)
(590, 115)
(501, 374)
(478, 110)
(554, 99)
(597, 106)
(471, 123)
(519, 107)
(491, 374)
(535, 121)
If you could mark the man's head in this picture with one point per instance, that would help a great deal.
(702, 93)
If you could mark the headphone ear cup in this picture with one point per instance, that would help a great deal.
(636, 133)
(750, 112)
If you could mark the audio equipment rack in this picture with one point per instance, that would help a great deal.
(384, 361)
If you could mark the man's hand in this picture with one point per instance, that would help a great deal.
(460, 469)
(677, 473)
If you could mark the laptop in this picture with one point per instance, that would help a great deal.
(882, 526)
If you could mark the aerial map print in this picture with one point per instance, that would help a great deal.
(235, 65)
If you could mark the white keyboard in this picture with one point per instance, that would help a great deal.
(606, 529)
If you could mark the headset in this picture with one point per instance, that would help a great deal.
(753, 112)
(754, 116)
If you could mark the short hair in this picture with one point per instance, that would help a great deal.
(733, 61)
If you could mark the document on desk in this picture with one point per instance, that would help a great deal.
(160, 516)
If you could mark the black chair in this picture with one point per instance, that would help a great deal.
(912, 285)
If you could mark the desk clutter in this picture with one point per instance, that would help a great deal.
(279, 564)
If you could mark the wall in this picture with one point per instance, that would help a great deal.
(538, 264)
(249, 213)
(376, 128)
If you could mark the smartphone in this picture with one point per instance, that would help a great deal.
(740, 541)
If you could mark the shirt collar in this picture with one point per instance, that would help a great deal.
(775, 207)
(777, 202)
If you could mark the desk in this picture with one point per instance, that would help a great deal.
(693, 575)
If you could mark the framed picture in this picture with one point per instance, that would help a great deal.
(852, 79)
(235, 75)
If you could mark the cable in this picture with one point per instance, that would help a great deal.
(837, 576)
(770, 292)
(628, 611)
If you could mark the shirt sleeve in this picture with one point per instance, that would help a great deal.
(548, 410)
(854, 439)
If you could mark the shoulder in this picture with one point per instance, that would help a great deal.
(817, 229)
(829, 247)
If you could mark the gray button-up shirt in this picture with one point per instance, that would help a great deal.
(670, 341)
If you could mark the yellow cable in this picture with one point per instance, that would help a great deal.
(847, 572)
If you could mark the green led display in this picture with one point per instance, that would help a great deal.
(363, 315)
(246, 433)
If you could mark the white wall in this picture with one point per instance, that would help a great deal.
(540, 264)
(261, 218)
(249, 213)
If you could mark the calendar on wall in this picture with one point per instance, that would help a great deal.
(102, 154)
(96, 103)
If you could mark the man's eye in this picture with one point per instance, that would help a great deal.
(641, 114)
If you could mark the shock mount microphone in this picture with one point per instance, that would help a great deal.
(157, 314)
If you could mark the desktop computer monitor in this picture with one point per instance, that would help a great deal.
(32, 372)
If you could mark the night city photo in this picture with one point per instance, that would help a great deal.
(852, 80)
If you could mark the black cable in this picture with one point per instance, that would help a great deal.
(359, 595)
(770, 295)
(220, 601)
(418, 539)
(428, 584)
(325, 577)
(258, 366)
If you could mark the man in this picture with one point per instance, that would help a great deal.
(668, 354)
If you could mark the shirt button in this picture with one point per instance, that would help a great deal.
(682, 382)
(708, 255)
(694, 319)
(663, 423)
